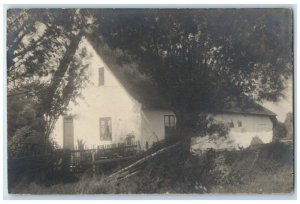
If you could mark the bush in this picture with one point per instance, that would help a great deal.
(256, 141)
(209, 126)
(28, 142)
(218, 129)
(280, 131)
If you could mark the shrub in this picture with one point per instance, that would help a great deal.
(209, 126)
(27, 142)
(256, 141)
(280, 131)
(218, 129)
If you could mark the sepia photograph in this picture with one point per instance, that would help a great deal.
(150, 101)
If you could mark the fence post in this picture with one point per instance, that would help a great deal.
(93, 161)
(66, 161)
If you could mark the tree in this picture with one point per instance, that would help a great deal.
(280, 131)
(25, 128)
(45, 62)
(201, 60)
(288, 122)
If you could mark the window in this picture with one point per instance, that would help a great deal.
(231, 124)
(105, 129)
(170, 125)
(170, 120)
(101, 76)
(239, 123)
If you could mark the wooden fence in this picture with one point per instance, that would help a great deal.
(62, 163)
(81, 160)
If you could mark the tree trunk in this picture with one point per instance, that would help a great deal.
(55, 82)
(185, 125)
(63, 65)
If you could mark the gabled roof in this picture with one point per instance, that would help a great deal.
(143, 90)
(254, 109)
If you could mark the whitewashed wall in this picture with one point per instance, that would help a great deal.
(252, 126)
(153, 128)
(110, 100)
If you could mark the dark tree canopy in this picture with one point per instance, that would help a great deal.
(206, 56)
(45, 66)
(204, 59)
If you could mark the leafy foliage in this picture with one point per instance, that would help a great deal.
(288, 122)
(25, 128)
(207, 53)
(201, 60)
(46, 62)
(280, 131)
(207, 125)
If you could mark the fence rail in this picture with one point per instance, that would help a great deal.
(82, 159)
(73, 161)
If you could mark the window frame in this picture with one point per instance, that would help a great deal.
(231, 124)
(169, 123)
(107, 123)
(169, 127)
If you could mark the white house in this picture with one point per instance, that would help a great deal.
(246, 126)
(108, 113)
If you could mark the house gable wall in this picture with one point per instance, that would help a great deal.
(108, 100)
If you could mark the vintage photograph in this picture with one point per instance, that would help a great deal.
(150, 101)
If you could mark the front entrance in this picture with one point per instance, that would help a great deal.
(170, 125)
(68, 132)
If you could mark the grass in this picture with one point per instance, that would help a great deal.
(279, 182)
(86, 185)
(262, 169)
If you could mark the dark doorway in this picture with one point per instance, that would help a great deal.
(170, 125)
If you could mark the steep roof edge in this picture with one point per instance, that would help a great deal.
(138, 88)
(255, 109)
(154, 101)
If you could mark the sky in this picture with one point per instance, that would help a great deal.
(283, 106)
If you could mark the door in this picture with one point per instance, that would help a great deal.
(170, 125)
(68, 132)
